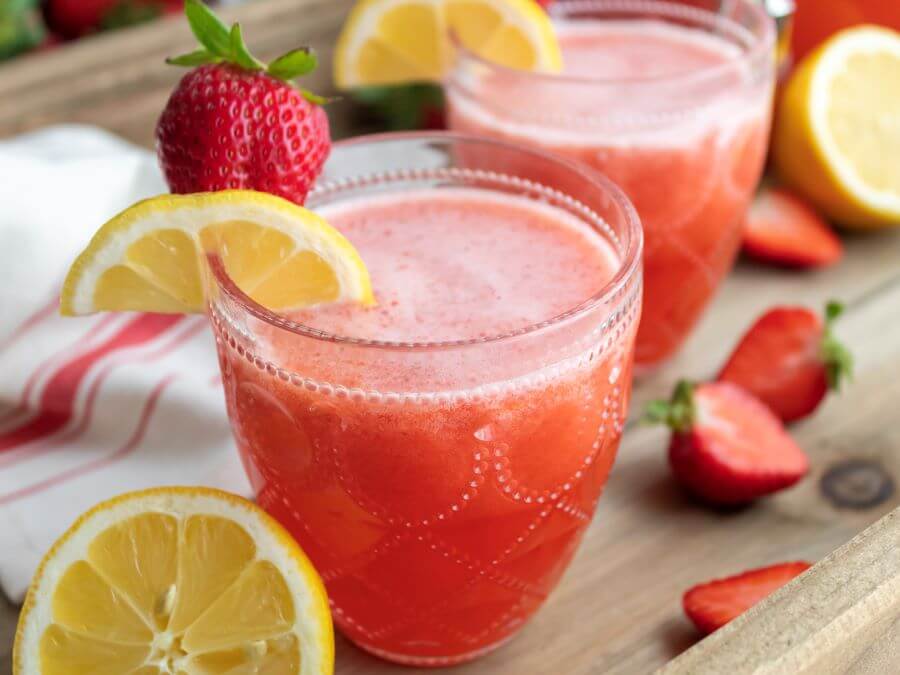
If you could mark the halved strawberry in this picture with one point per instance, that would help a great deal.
(789, 359)
(727, 447)
(713, 604)
(783, 229)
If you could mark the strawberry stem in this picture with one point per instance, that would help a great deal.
(221, 44)
(837, 358)
(678, 413)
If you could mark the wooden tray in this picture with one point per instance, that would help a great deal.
(618, 608)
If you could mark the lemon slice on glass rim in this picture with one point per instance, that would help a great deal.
(401, 41)
(175, 581)
(149, 257)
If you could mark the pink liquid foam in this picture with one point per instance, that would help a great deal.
(458, 264)
(671, 114)
(440, 493)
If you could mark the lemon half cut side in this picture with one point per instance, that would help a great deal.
(175, 581)
(837, 134)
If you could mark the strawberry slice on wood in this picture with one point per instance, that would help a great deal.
(790, 359)
(727, 448)
(713, 604)
(783, 229)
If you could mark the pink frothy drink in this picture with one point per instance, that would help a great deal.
(673, 104)
(439, 456)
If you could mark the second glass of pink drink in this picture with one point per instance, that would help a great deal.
(439, 456)
(670, 101)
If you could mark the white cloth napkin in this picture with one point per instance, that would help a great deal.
(96, 406)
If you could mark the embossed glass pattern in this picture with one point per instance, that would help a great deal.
(440, 506)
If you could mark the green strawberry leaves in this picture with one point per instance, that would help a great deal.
(678, 413)
(837, 358)
(193, 59)
(295, 63)
(208, 28)
(223, 45)
(239, 52)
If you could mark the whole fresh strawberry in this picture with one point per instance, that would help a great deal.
(790, 359)
(713, 604)
(235, 122)
(727, 447)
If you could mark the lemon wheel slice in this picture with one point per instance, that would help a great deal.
(400, 41)
(150, 256)
(837, 135)
(180, 581)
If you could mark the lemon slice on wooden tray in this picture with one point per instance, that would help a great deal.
(177, 581)
(401, 41)
(149, 257)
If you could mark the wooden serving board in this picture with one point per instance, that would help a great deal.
(618, 608)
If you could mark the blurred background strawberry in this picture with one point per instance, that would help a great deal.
(71, 19)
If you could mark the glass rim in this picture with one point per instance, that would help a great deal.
(628, 266)
(761, 44)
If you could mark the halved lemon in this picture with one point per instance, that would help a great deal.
(150, 256)
(837, 134)
(180, 581)
(399, 41)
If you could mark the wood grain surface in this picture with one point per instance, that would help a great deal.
(840, 617)
(618, 608)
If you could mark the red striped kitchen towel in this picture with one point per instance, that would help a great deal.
(95, 406)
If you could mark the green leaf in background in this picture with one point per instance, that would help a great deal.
(197, 58)
(295, 63)
(129, 13)
(208, 28)
(20, 27)
(239, 52)
(404, 107)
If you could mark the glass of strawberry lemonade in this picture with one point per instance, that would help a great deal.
(439, 456)
(672, 102)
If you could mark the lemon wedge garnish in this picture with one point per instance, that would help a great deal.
(837, 134)
(401, 41)
(150, 256)
(175, 580)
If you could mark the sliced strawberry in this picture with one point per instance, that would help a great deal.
(783, 229)
(789, 359)
(727, 447)
(713, 604)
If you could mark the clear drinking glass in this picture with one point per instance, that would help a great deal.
(672, 102)
(440, 488)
